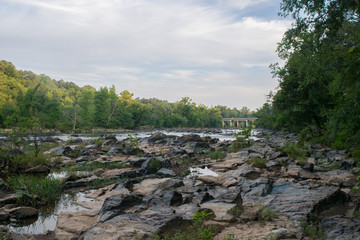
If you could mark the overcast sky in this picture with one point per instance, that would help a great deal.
(216, 52)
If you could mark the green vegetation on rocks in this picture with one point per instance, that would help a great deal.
(36, 191)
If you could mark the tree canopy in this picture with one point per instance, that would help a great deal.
(319, 84)
(65, 106)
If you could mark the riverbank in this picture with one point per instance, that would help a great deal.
(269, 190)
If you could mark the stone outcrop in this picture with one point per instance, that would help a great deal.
(270, 201)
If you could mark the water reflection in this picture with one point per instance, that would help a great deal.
(48, 215)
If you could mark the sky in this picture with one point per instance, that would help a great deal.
(216, 52)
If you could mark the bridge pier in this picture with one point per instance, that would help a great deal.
(238, 122)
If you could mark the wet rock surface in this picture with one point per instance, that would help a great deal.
(153, 192)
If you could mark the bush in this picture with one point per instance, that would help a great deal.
(216, 155)
(294, 152)
(29, 160)
(258, 162)
(312, 231)
(36, 191)
(235, 211)
(266, 214)
(155, 165)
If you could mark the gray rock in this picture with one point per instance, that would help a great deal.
(297, 201)
(166, 172)
(190, 138)
(173, 198)
(157, 138)
(341, 228)
(8, 199)
(38, 169)
(156, 220)
(114, 150)
(116, 204)
(24, 212)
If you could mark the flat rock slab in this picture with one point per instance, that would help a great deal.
(154, 220)
(73, 224)
(280, 227)
(297, 201)
(149, 186)
(220, 210)
(341, 228)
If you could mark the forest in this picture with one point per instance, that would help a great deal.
(28, 99)
(319, 84)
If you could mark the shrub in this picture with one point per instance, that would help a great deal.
(216, 155)
(356, 155)
(258, 162)
(99, 144)
(294, 152)
(29, 160)
(235, 211)
(134, 141)
(266, 214)
(312, 231)
(154, 165)
(36, 191)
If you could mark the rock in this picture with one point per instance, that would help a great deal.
(341, 228)
(4, 190)
(244, 171)
(24, 212)
(120, 173)
(255, 192)
(220, 210)
(132, 151)
(154, 220)
(81, 182)
(303, 174)
(338, 178)
(173, 198)
(110, 140)
(164, 172)
(4, 215)
(149, 186)
(8, 199)
(38, 169)
(75, 141)
(71, 225)
(187, 211)
(190, 138)
(309, 167)
(297, 201)
(114, 150)
(276, 155)
(157, 138)
(138, 162)
(49, 139)
(116, 204)
(61, 150)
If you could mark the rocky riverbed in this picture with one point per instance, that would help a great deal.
(256, 192)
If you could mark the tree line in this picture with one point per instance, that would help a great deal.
(26, 97)
(319, 84)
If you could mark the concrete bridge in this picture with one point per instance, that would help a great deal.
(238, 122)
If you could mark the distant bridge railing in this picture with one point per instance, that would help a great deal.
(238, 122)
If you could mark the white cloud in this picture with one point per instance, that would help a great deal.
(145, 46)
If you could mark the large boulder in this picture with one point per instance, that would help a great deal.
(296, 200)
(341, 228)
(24, 213)
(156, 220)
